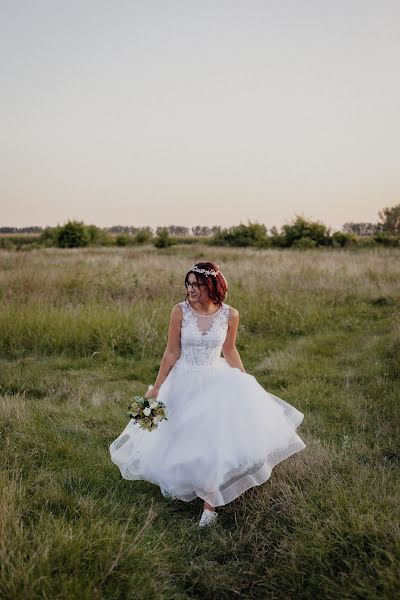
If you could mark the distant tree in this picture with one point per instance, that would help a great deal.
(163, 238)
(252, 234)
(391, 219)
(74, 234)
(124, 239)
(98, 236)
(122, 229)
(31, 229)
(49, 236)
(215, 228)
(276, 239)
(178, 230)
(144, 235)
(201, 230)
(117, 229)
(300, 229)
(362, 229)
(342, 238)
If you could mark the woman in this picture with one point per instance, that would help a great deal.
(224, 432)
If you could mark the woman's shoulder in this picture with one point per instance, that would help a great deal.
(178, 310)
(233, 312)
(180, 306)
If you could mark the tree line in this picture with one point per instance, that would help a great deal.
(299, 233)
(198, 230)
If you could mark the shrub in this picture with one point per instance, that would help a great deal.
(340, 239)
(300, 228)
(98, 236)
(253, 234)
(163, 239)
(277, 239)
(391, 219)
(49, 236)
(304, 242)
(124, 239)
(74, 234)
(387, 240)
(144, 235)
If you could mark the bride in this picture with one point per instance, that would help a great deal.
(224, 432)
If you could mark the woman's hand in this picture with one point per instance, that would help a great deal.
(152, 392)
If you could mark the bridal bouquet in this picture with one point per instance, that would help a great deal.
(147, 412)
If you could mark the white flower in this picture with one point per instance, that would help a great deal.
(147, 411)
(153, 404)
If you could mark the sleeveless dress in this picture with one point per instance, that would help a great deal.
(224, 432)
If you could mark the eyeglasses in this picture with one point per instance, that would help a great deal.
(195, 286)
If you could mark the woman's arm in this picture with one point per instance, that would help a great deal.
(172, 351)
(229, 349)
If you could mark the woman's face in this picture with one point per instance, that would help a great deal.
(197, 292)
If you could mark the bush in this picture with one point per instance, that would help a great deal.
(340, 239)
(98, 236)
(387, 240)
(391, 220)
(124, 239)
(253, 234)
(301, 229)
(49, 236)
(163, 238)
(277, 239)
(304, 242)
(74, 234)
(144, 235)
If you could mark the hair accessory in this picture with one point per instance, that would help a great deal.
(205, 272)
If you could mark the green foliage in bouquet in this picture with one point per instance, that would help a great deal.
(147, 412)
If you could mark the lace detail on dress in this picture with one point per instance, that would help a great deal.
(201, 343)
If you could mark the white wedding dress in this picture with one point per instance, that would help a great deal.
(224, 432)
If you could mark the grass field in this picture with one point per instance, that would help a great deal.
(82, 330)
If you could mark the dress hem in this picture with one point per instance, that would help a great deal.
(231, 489)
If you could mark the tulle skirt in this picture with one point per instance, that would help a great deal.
(224, 435)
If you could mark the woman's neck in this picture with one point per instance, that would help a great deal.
(206, 309)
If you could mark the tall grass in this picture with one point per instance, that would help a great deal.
(80, 330)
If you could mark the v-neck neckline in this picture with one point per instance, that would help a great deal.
(199, 315)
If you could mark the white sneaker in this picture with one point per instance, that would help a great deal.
(208, 517)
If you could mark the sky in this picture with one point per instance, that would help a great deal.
(207, 112)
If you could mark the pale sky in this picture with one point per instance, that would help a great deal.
(207, 112)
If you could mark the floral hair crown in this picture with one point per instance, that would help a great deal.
(205, 272)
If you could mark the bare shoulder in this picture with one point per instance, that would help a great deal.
(233, 314)
(176, 312)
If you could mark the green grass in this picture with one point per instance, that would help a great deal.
(80, 330)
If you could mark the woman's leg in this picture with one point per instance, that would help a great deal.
(208, 506)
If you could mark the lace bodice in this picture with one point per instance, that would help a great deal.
(202, 337)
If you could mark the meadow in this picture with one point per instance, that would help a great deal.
(82, 330)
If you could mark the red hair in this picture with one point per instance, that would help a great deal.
(216, 284)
